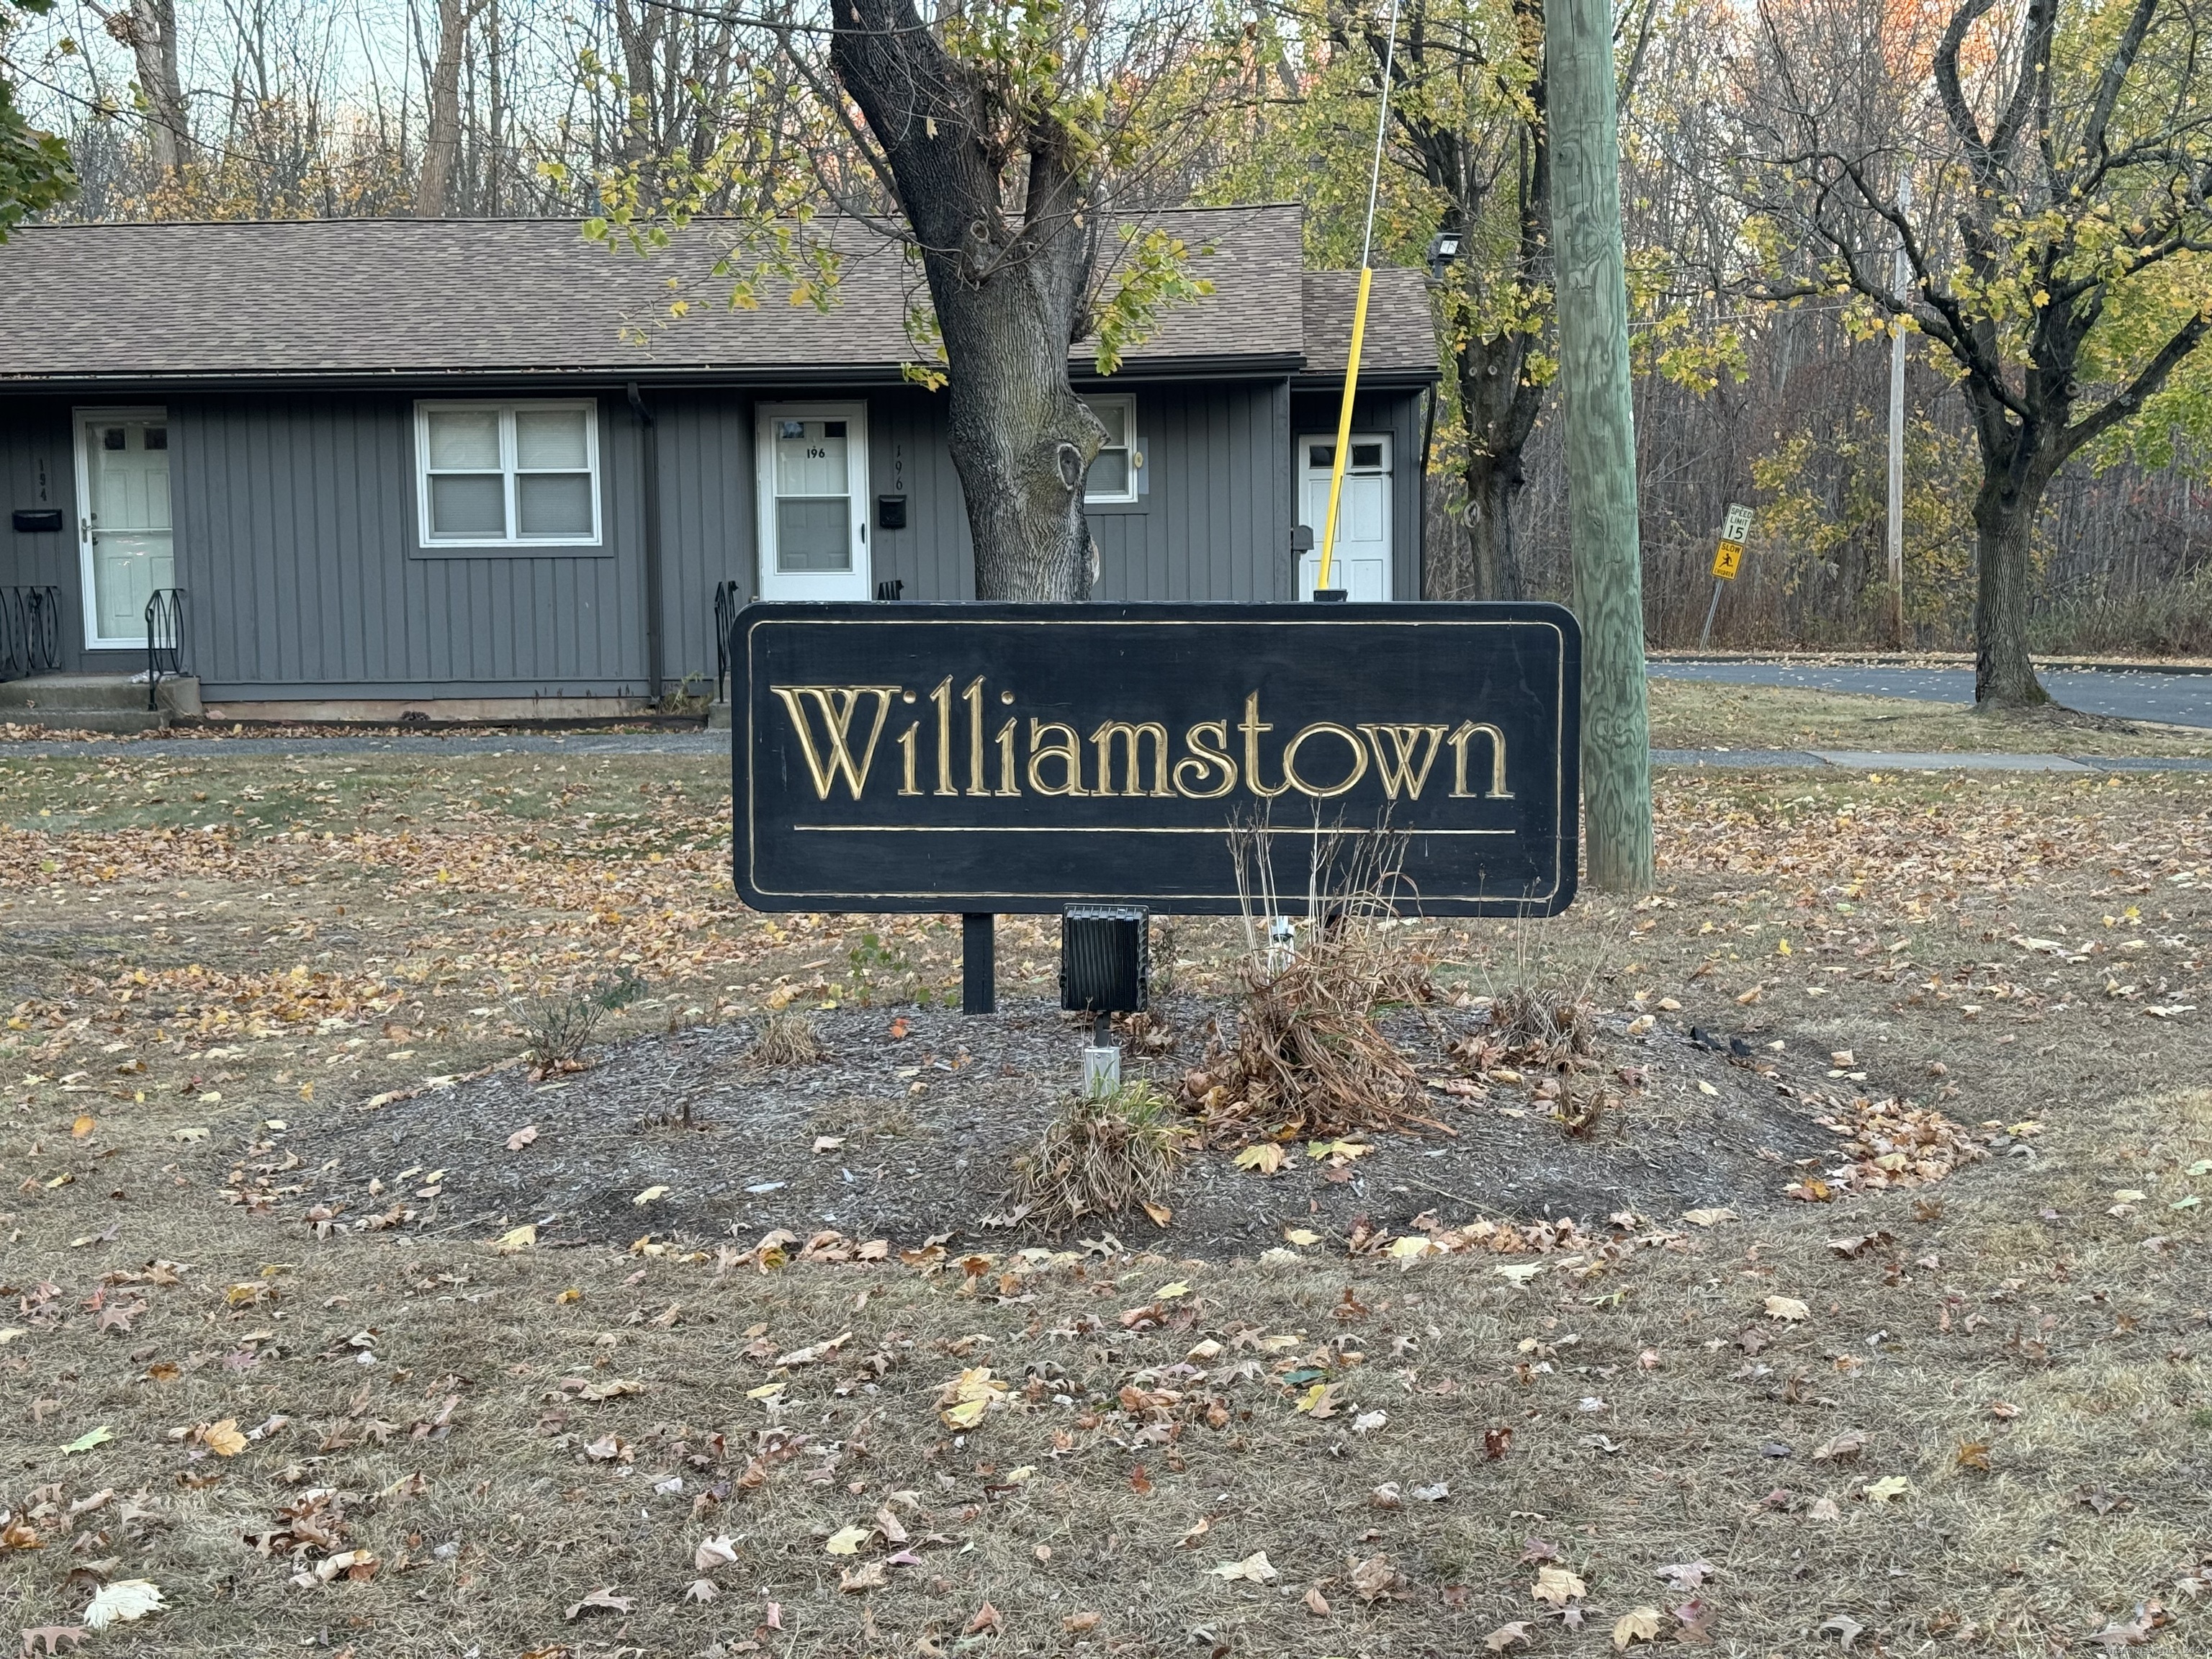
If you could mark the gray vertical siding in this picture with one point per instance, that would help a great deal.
(296, 538)
(296, 534)
(1215, 523)
(707, 529)
(38, 471)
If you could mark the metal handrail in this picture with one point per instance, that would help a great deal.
(30, 631)
(726, 605)
(164, 640)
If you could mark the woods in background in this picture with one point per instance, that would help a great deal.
(2062, 163)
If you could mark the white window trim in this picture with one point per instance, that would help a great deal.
(505, 409)
(1130, 442)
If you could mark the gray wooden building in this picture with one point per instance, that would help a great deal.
(469, 467)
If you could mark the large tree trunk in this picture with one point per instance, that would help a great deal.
(1007, 228)
(148, 27)
(1497, 412)
(1491, 569)
(2004, 523)
(441, 138)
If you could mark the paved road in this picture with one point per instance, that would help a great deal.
(2124, 693)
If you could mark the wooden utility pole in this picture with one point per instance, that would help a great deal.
(1601, 442)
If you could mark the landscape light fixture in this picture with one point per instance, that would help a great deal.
(1105, 970)
(1444, 249)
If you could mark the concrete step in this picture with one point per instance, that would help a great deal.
(141, 719)
(80, 693)
(94, 703)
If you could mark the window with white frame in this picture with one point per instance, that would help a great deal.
(508, 474)
(1113, 474)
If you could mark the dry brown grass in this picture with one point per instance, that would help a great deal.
(1643, 1396)
(1099, 1157)
(786, 1039)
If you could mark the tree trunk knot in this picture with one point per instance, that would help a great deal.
(1070, 460)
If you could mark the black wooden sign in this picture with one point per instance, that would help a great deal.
(981, 757)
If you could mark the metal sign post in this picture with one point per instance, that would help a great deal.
(1728, 559)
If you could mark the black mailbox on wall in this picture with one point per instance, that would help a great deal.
(34, 521)
(890, 512)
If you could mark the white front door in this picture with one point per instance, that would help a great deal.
(813, 484)
(1361, 564)
(124, 541)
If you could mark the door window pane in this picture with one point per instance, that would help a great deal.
(468, 504)
(1367, 454)
(548, 438)
(814, 535)
(554, 503)
(810, 461)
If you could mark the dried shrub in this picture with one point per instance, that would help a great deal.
(1530, 1030)
(787, 1039)
(557, 1029)
(1308, 1057)
(1099, 1156)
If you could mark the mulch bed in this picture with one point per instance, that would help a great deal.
(911, 1137)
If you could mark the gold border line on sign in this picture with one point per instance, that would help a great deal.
(752, 851)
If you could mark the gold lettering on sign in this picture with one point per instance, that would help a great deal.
(1068, 752)
(1251, 725)
(1202, 760)
(1467, 732)
(1133, 737)
(973, 696)
(1403, 766)
(907, 739)
(943, 698)
(835, 704)
(1324, 728)
(1006, 784)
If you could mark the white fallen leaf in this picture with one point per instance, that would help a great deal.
(846, 1540)
(124, 1601)
(1521, 1274)
(1254, 1568)
(1368, 1422)
(1433, 1494)
(1711, 1218)
(1705, 1088)
(649, 1194)
(1787, 1307)
(1889, 1487)
(714, 1553)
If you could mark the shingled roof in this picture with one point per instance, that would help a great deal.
(353, 299)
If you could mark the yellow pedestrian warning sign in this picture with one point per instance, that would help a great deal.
(1728, 558)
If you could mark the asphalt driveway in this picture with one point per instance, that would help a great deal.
(2123, 694)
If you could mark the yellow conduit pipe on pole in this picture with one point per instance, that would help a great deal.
(1358, 312)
